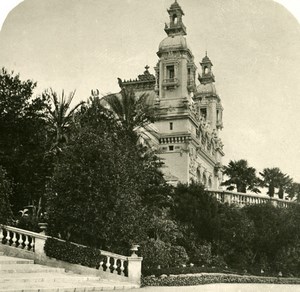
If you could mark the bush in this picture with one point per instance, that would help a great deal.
(186, 270)
(72, 253)
(178, 256)
(159, 254)
(214, 278)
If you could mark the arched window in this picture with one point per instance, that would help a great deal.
(206, 70)
(175, 19)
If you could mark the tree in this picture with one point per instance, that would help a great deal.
(196, 209)
(130, 110)
(23, 140)
(284, 182)
(59, 117)
(276, 231)
(275, 178)
(95, 194)
(5, 193)
(293, 190)
(241, 176)
(234, 237)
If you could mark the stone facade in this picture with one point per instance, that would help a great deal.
(189, 116)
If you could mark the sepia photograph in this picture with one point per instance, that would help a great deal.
(150, 145)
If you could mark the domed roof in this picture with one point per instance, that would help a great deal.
(207, 89)
(173, 42)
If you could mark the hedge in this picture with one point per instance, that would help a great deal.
(200, 279)
(187, 270)
(72, 253)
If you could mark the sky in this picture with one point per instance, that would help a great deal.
(254, 46)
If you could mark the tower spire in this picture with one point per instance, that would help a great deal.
(206, 76)
(176, 26)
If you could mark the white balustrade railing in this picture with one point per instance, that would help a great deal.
(114, 263)
(242, 199)
(109, 262)
(19, 238)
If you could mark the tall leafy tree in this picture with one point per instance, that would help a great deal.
(96, 194)
(196, 209)
(241, 176)
(23, 139)
(5, 193)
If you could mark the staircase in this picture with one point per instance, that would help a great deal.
(22, 275)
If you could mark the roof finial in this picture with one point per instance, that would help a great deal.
(205, 53)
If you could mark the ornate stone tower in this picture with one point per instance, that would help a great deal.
(206, 96)
(190, 117)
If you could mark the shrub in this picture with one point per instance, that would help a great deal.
(155, 253)
(214, 278)
(72, 253)
(186, 270)
(178, 256)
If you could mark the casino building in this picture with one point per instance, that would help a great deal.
(186, 133)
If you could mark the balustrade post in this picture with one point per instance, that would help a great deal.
(227, 198)
(38, 245)
(135, 266)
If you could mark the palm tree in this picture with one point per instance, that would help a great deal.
(59, 116)
(131, 111)
(284, 182)
(241, 176)
(274, 178)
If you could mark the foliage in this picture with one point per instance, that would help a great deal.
(187, 269)
(275, 178)
(72, 253)
(188, 280)
(241, 176)
(276, 229)
(30, 217)
(178, 256)
(235, 235)
(23, 140)
(5, 193)
(196, 209)
(96, 192)
(130, 110)
(59, 117)
(157, 253)
(293, 191)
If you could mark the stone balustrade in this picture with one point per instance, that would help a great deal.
(33, 243)
(242, 199)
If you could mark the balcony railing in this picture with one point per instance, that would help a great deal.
(171, 82)
(243, 199)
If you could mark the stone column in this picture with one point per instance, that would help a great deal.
(39, 244)
(135, 269)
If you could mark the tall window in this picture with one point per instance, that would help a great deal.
(203, 113)
(171, 126)
(170, 72)
(175, 19)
